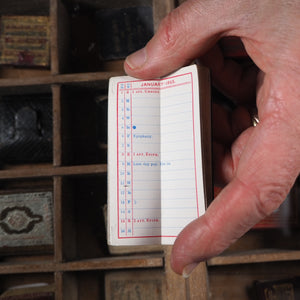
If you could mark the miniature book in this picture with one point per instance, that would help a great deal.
(26, 222)
(35, 291)
(26, 129)
(134, 285)
(25, 41)
(158, 155)
(287, 289)
(121, 31)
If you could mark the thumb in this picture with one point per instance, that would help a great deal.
(265, 173)
(185, 34)
(226, 219)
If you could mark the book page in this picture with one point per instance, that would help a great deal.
(181, 163)
(154, 163)
(134, 162)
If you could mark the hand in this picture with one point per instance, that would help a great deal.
(259, 164)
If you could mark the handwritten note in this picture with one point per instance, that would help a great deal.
(154, 163)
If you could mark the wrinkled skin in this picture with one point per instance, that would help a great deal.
(258, 164)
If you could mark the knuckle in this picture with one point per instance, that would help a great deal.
(270, 198)
(267, 197)
(170, 30)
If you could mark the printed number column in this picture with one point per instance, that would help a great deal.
(125, 161)
(122, 161)
(128, 145)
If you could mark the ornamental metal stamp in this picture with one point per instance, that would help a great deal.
(26, 219)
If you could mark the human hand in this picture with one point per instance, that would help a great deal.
(259, 164)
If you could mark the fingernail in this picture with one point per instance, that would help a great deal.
(136, 59)
(188, 270)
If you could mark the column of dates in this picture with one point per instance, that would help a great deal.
(125, 161)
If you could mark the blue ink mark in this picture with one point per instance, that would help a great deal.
(134, 127)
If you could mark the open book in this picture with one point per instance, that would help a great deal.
(159, 164)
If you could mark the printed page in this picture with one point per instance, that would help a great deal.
(134, 162)
(154, 163)
(181, 163)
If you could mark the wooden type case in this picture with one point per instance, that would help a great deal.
(79, 260)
